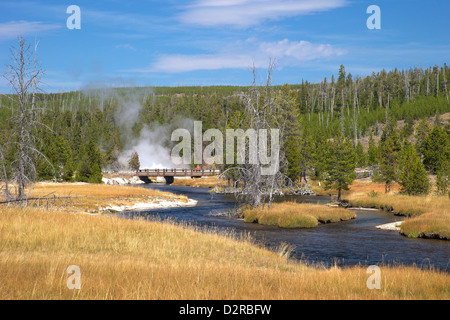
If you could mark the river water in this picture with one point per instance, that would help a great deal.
(345, 243)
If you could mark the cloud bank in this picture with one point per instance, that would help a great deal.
(247, 13)
(243, 55)
(12, 29)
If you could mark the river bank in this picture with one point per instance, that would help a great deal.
(101, 198)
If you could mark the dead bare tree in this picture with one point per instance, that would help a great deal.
(23, 75)
(262, 112)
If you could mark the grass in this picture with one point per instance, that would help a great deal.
(297, 215)
(92, 197)
(429, 216)
(434, 224)
(131, 259)
(203, 182)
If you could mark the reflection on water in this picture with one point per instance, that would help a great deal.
(345, 243)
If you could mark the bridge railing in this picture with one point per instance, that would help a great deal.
(179, 172)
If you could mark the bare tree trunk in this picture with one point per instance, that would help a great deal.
(23, 75)
(263, 113)
(355, 119)
(332, 101)
(437, 82)
(445, 82)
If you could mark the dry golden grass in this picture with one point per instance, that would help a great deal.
(430, 214)
(92, 197)
(360, 185)
(129, 259)
(400, 204)
(203, 182)
(434, 224)
(297, 215)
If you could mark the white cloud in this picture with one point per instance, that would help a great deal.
(242, 55)
(12, 29)
(300, 51)
(246, 13)
(126, 46)
(185, 63)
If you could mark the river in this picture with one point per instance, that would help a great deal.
(345, 243)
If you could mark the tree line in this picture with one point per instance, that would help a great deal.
(75, 135)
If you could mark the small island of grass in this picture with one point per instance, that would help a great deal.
(296, 215)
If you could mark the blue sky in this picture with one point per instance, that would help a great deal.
(215, 42)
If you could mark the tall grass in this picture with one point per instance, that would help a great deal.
(129, 259)
(433, 224)
(430, 214)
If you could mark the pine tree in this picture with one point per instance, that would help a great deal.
(341, 164)
(389, 152)
(408, 129)
(435, 149)
(443, 178)
(372, 153)
(293, 157)
(319, 155)
(361, 156)
(89, 168)
(306, 152)
(286, 99)
(423, 129)
(413, 177)
(134, 163)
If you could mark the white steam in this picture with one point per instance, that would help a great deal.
(152, 154)
(153, 144)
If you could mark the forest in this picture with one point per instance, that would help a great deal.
(329, 128)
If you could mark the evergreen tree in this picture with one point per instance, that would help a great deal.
(389, 152)
(341, 84)
(89, 168)
(443, 178)
(372, 153)
(408, 129)
(306, 152)
(319, 155)
(286, 99)
(293, 157)
(361, 156)
(134, 163)
(413, 177)
(341, 164)
(435, 149)
(422, 131)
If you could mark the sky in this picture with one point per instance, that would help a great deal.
(216, 42)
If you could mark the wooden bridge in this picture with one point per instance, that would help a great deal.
(170, 174)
